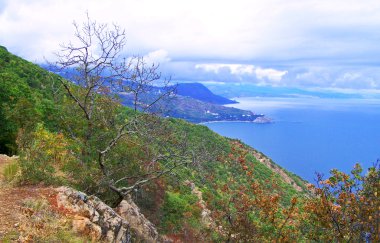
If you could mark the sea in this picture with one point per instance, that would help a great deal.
(311, 135)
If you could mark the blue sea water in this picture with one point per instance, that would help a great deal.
(311, 135)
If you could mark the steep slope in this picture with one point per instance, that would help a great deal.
(25, 97)
(222, 170)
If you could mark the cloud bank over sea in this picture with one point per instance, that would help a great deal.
(309, 43)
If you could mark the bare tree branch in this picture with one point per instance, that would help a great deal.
(94, 63)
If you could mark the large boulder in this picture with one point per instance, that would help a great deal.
(93, 217)
(127, 209)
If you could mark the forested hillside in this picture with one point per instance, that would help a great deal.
(26, 98)
(193, 184)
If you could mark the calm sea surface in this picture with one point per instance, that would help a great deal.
(311, 135)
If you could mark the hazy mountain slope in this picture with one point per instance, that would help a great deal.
(200, 92)
(194, 110)
(193, 102)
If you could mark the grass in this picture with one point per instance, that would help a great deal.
(10, 237)
(10, 171)
(38, 222)
(42, 224)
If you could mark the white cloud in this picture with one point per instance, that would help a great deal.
(349, 76)
(230, 38)
(241, 29)
(212, 82)
(242, 72)
(269, 73)
(157, 57)
(238, 69)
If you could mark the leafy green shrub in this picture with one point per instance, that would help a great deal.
(179, 209)
(43, 154)
(25, 98)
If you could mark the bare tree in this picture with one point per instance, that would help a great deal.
(139, 79)
(98, 72)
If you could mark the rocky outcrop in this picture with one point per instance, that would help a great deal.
(206, 213)
(143, 228)
(206, 217)
(263, 120)
(94, 218)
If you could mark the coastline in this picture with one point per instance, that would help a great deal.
(235, 121)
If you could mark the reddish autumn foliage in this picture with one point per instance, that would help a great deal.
(346, 208)
(254, 214)
(342, 208)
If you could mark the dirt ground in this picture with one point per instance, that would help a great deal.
(11, 199)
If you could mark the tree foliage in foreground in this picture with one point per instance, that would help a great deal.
(101, 127)
(346, 207)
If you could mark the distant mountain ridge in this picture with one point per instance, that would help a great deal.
(194, 110)
(200, 92)
(194, 102)
(193, 90)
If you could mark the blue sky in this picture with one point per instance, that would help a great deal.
(312, 44)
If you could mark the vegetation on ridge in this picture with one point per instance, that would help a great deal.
(246, 199)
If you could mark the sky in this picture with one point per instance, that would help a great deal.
(317, 44)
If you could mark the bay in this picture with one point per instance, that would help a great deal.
(311, 135)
